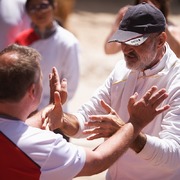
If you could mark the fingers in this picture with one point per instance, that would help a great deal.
(164, 108)
(98, 118)
(94, 136)
(98, 132)
(44, 116)
(108, 109)
(64, 84)
(63, 92)
(96, 124)
(105, 106)
(149, 93)
(55, 80)
(54, 83)
(157, 98)
(146, 109)
(95, 119)
(133, 98)
(45, 112)
(57, 98)
(45, 125)
(102, 126)
(56, 75)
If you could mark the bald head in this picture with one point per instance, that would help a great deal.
(19, 68)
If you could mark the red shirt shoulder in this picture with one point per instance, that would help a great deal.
(27, 37)
(15, 164)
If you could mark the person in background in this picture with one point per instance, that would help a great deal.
(58, 47)
(148, 61)
(172, 30)
(34, 153)
(13, 20)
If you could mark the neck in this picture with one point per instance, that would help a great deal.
(42, 29)
(13, 111)
(45, 31)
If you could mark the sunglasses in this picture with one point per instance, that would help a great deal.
(38, 7)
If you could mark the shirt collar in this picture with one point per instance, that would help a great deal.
(48, 32)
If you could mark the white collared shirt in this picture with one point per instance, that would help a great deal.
(160, 157)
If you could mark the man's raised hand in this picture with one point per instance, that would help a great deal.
(56, 85)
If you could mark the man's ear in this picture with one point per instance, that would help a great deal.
(31, 91)
(162, 38)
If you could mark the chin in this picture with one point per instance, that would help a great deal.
(134, 66)
(131, 66)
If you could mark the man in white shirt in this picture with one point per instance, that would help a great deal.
(148, 61)
(31, 153)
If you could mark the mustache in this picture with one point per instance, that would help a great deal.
(131, 54)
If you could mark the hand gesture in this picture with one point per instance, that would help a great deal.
(144, 111)
(53, 114)
(55, 85)
(103, 125)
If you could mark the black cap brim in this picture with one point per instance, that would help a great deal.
(123, 36)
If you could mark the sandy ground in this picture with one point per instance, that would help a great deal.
(91, 22)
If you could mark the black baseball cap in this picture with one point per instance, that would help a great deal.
(138, 23)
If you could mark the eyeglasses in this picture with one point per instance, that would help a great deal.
(38, 7)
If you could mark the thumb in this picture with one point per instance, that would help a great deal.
(57, 98)
(133, 99)
(105, 106)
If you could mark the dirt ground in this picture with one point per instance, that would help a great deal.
(91, 21)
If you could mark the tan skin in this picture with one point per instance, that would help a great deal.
(153, 50)
(55, 85)
(173, 33)
(30, 100)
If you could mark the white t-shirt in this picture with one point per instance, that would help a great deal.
(56, 158)
(160, 158)
(61, 50)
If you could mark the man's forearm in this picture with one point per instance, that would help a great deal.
(70, 124)
(110, 150)
(139, 143)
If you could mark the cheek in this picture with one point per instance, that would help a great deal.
(35, 19)
(48, 18)
(144, 52)
(51, 15)
(146, 48)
